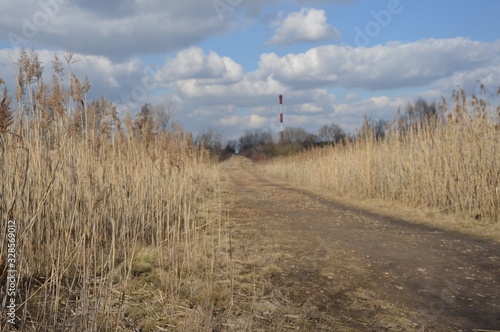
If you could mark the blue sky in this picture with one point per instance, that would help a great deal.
(224, 62)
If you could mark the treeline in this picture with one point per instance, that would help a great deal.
(261, 144)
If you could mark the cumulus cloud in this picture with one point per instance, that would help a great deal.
(470, 81)
(310, 108)
(253, 121)
(245, 93)
(117, 29)
(204, 78)
(308, 25)
(213, 80)
(379, 67)
(193, 63)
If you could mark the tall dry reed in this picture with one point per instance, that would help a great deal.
(452, 164)
(105, 220)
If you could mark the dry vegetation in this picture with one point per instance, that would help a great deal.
(115, 231)
(121, 229)
(450, 163)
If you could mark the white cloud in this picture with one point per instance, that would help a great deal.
(246, 92)
(471, 81)
(380, 67)
(308, 25)
(204, 78)
(381, 106)
(203, 113)
(193, 63)
(117, 29)
(253, 121)
(310, 108)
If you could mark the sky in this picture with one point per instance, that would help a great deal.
(223, 63)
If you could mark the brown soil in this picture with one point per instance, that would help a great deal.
(305, 262)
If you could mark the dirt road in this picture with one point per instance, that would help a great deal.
(304, 262)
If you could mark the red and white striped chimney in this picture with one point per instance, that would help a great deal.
(282, 127)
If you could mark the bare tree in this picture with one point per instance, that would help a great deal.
(380, 127)
(257, 141)
(298, 135)
(375, 128)
(145, 116)
(331, 133)
(163, 114)
(417, 113)
(211, 138)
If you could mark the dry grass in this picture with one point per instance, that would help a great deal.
(451, 165)
(115, 232)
